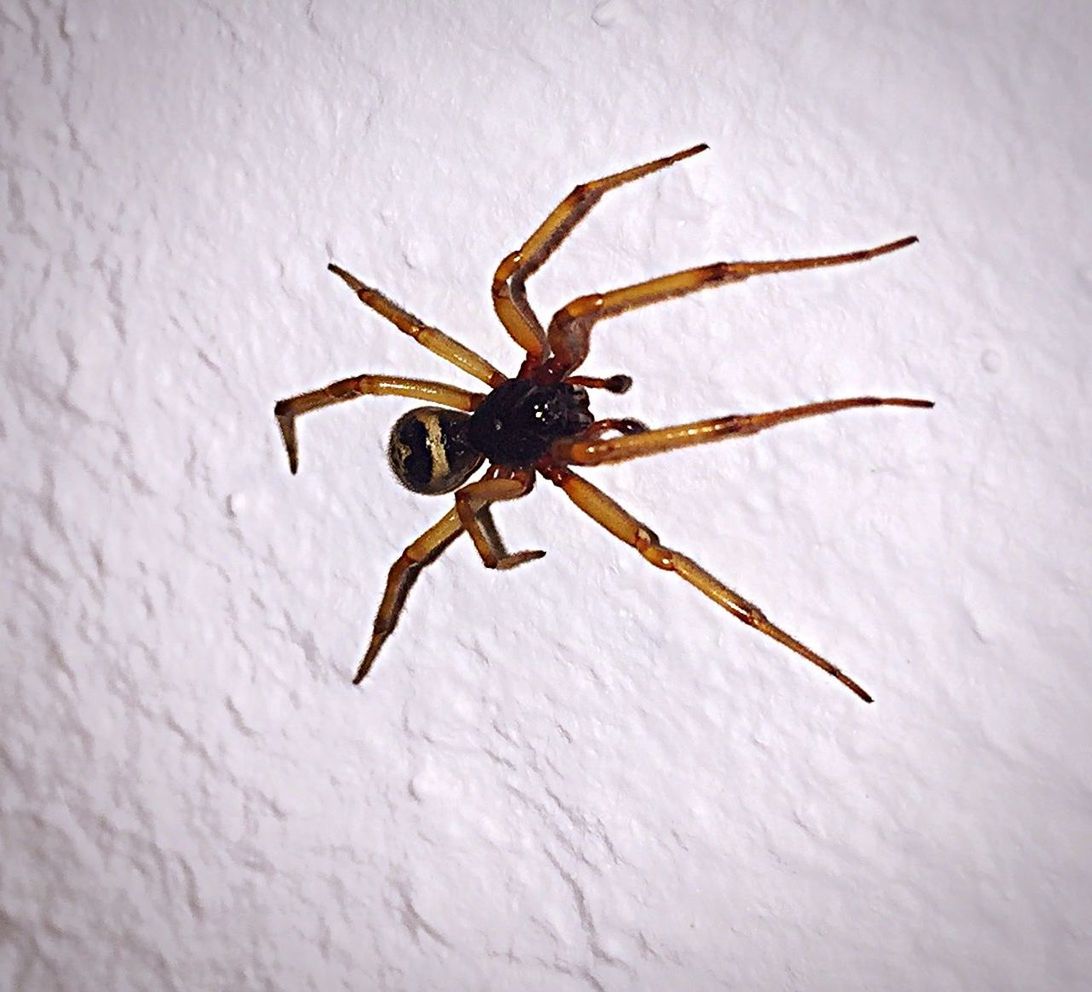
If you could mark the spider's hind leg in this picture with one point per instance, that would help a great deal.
(425, 550)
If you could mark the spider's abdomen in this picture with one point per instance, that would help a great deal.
(428, 452)
(519, 420)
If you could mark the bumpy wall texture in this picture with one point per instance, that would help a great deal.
(579, 774)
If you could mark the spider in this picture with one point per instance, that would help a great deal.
(540, 423)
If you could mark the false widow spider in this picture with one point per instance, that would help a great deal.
(539, 423)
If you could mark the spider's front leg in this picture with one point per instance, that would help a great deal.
(607, 513)
(570, 329)
(510, 296)
(472, 503)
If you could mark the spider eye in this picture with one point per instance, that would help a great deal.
(428, 452)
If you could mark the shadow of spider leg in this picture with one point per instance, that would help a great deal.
(404, 572)
(472, 503)
(509, 295)
(432, 338)
(287, 410)
(606, 512)
(570, 328)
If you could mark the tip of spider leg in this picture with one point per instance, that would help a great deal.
(903, 243)
(374, 645)
(686, 153)
(347, 277)
(918, 404)
(288, 434)
(853, 687)
(520, 558)
(619, 384)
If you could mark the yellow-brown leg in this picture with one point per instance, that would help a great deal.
(624, 425)
(425, 550)
(287, 410)
(610, 515)
(432, 338)
(509, 294)
(472, 503)
(592, 451)
(570, 328)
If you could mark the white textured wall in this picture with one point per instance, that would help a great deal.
(579, 774)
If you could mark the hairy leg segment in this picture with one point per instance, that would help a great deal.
(473, 502)
(607, 513)
(589, 449)
(510, 296)
(287, 410)
(570, 329)
(432, 338)
(404, 572)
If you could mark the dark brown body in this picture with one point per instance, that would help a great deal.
(516, 424)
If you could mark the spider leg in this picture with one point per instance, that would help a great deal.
(287, 410)
(570, 328)
(624, 425)
(590, 450)
(425, 550)
(432, 338)
(606, 512)
(510, 296)
(472, 503)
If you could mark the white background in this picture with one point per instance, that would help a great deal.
(580, 774)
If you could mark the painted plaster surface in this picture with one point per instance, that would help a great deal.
(580, 774)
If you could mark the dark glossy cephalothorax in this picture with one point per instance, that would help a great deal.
(540, 422)
(517, 422)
